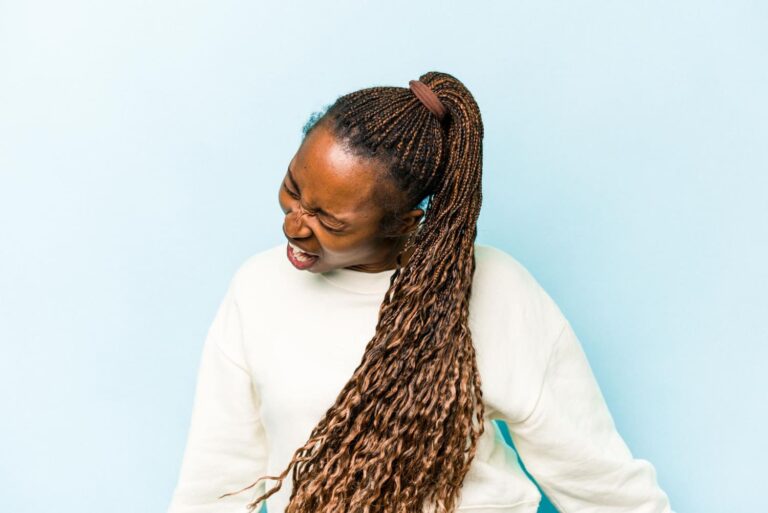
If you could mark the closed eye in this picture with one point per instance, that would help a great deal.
(296, 196)
(290, 192)
(334, 230)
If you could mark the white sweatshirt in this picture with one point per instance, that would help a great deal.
(284, 342)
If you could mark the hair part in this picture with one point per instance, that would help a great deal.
(404, 429)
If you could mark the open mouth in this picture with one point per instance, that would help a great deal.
(299, 258)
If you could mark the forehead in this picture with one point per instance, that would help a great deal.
(332, 178)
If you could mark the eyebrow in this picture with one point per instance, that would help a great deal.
(318, 209)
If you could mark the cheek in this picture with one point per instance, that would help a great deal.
(349, 248)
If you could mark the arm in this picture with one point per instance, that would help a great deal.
(570, 445)
(226, 447)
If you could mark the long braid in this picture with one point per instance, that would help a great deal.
(403, 430)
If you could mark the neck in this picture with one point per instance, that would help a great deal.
(390, 262)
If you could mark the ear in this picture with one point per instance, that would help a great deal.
(409, 221)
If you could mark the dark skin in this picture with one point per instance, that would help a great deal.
(329, 196)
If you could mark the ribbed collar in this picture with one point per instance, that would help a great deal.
(358, 281)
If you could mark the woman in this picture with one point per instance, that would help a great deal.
(381, 203)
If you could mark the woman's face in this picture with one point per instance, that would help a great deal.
(329, 200)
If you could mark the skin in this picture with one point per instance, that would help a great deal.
(329, 178)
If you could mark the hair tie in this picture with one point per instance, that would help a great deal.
(428, 98)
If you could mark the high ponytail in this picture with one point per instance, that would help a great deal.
(404, 429)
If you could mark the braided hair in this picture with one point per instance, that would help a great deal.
(404, 429)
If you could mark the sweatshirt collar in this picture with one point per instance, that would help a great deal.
(358, 281)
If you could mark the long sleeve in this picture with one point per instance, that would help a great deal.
(226, 448)
(570, 445)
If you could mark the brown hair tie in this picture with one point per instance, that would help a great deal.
(428, 98)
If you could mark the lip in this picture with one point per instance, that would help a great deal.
(302, 249)
(297, 263)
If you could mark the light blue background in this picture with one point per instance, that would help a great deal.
(141, 148)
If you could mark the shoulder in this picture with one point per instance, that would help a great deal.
(494, 261)
(503, 287)
(269, 259)
(515, 325)
(267, 276)
(261, 270)
(498, 272)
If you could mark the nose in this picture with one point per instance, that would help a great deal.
(294, 227)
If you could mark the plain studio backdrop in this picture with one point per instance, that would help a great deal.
(141, 149)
